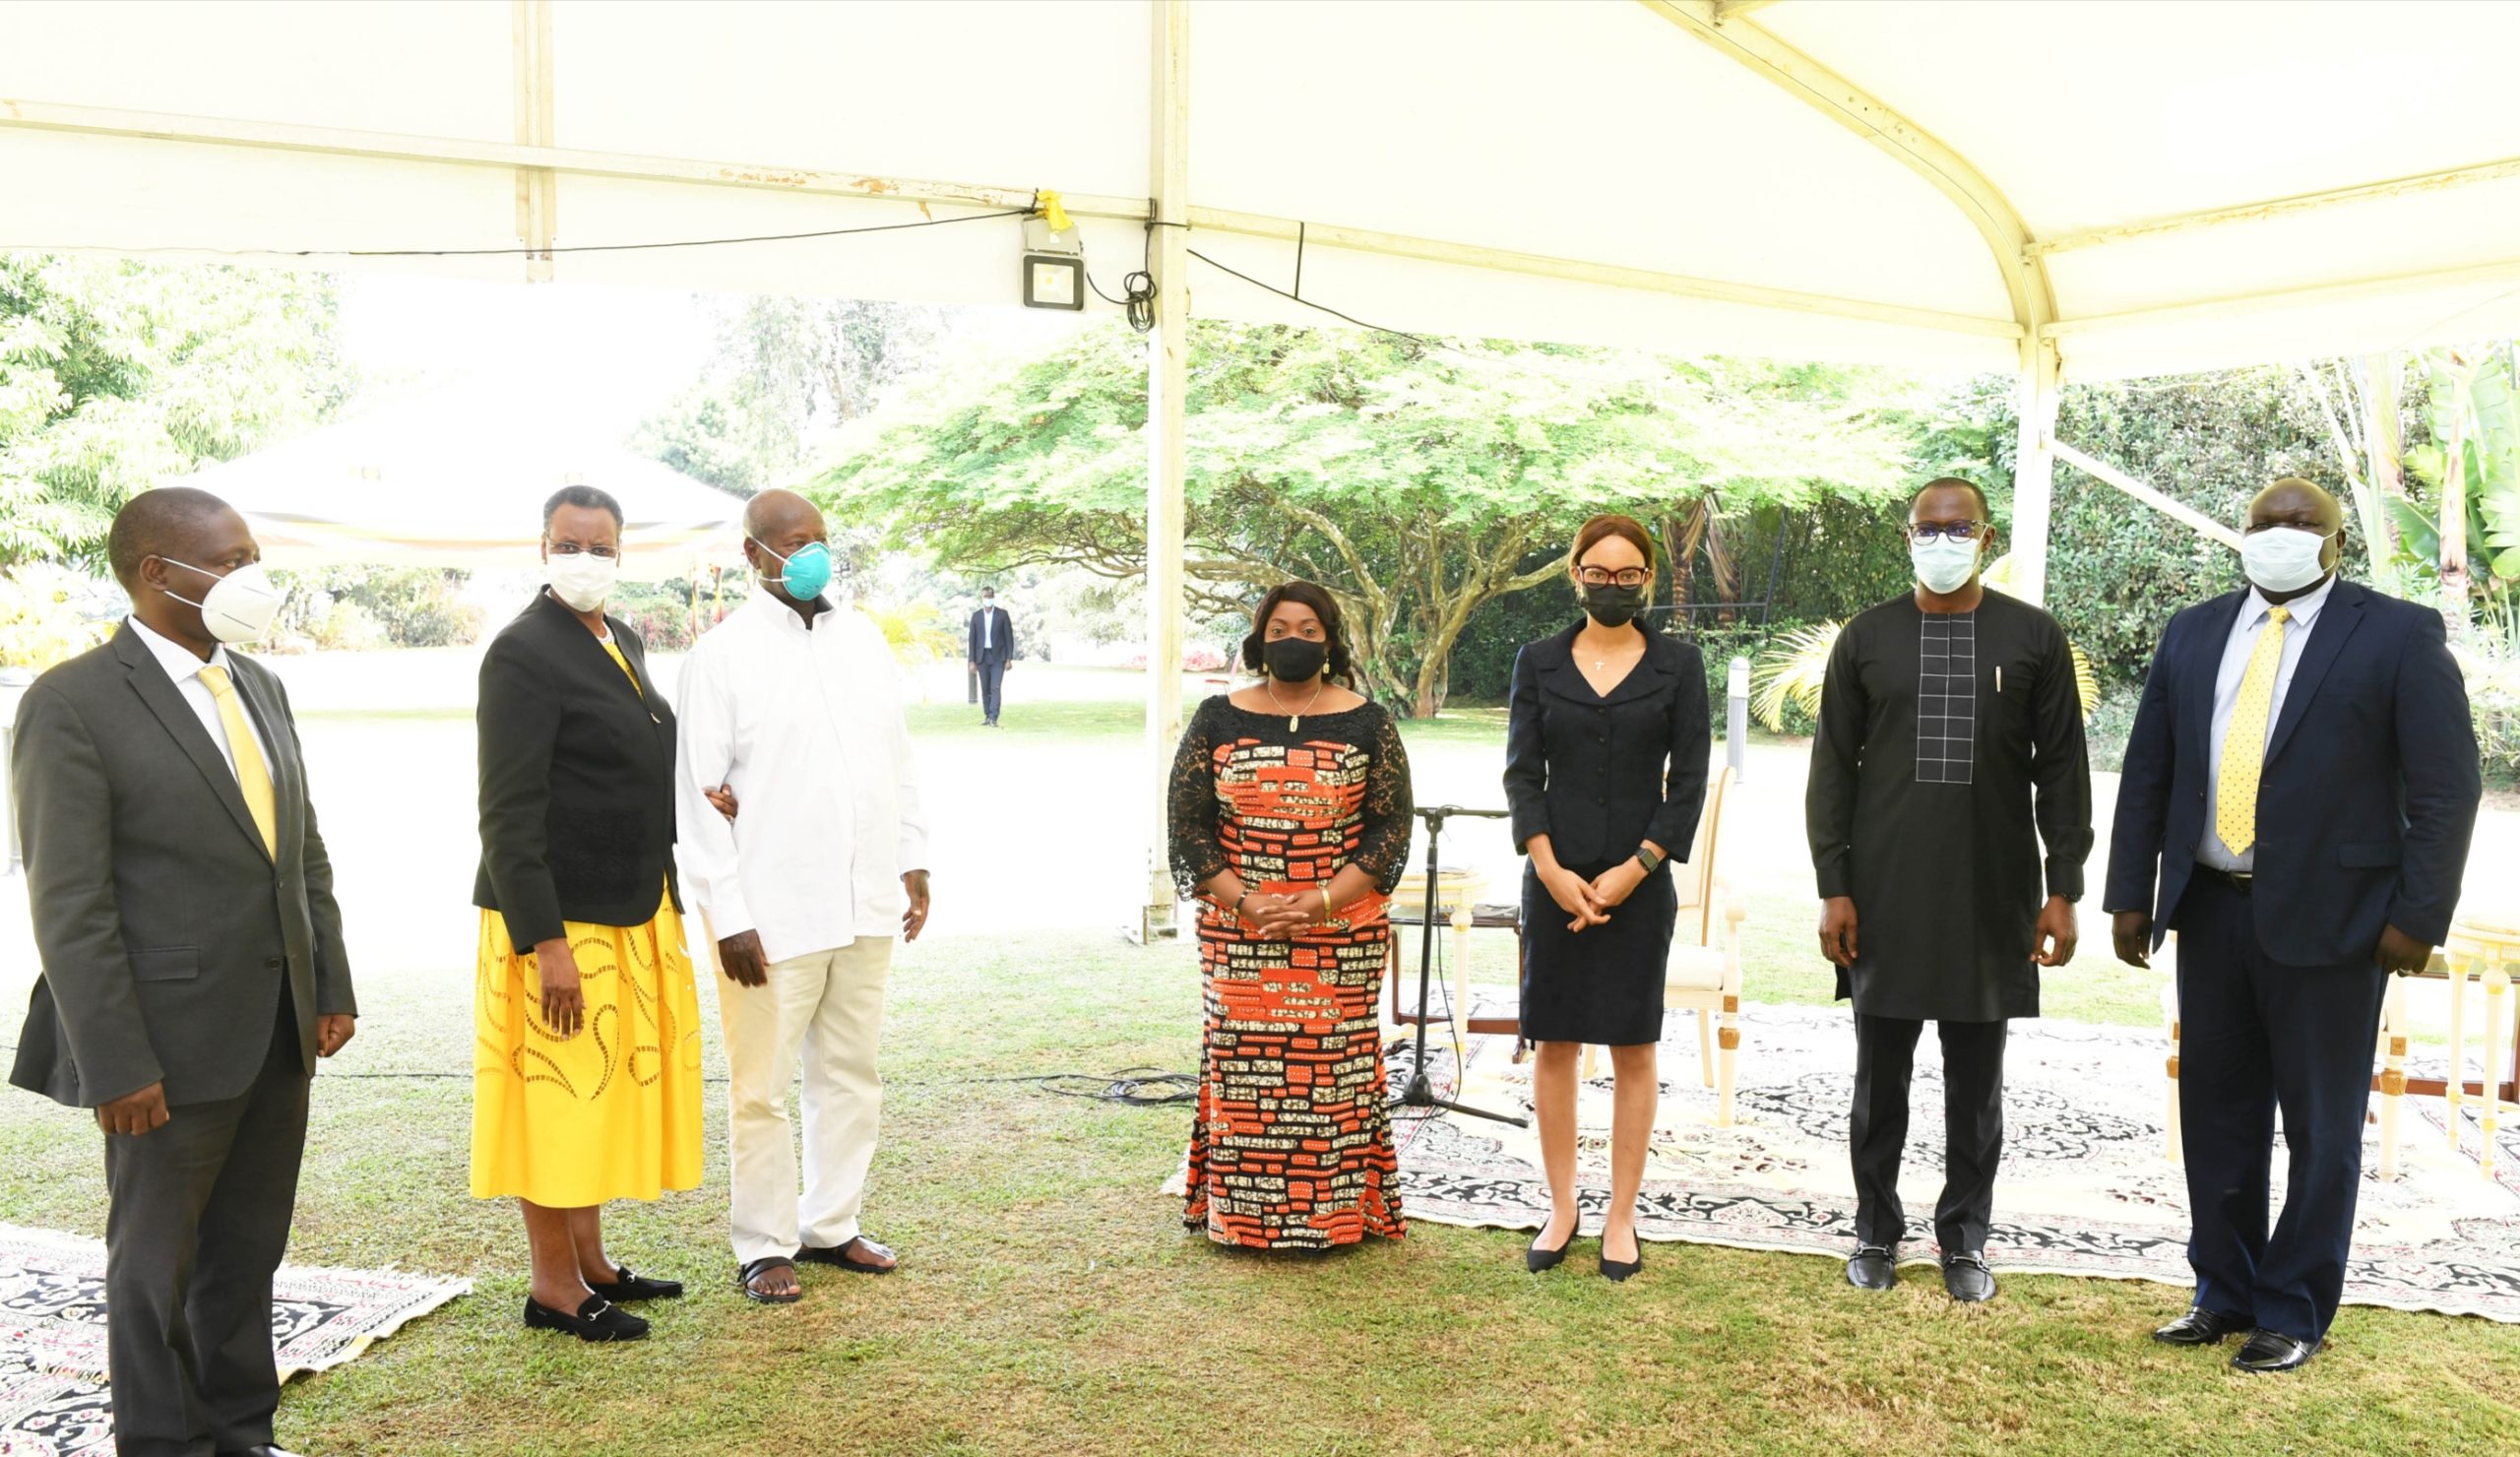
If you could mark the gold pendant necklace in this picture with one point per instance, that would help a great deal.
(1294, 714)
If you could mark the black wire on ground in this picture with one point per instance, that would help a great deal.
(1138, 1087)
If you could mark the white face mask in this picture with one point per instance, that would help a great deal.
(1943, 564)
(2283, 558)
(581, 578)
(240, 606)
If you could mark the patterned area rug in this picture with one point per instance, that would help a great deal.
(2085, 1187)
(52, 1334)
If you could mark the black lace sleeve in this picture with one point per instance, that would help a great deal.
(1197, 852)
(1382, 851)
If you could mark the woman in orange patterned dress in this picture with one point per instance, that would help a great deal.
(1290, 812)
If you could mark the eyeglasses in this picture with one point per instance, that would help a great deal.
(1597, 577)
(572, 548)
(1957, 530)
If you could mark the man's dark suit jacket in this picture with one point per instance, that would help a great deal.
(2367, 799)
(577, 778)
(1002, 647)
(167, 930)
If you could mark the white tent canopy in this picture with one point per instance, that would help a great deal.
(2070, 187)
(456, 477)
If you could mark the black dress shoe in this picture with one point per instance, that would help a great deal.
(1873, 1267)
(626, 1286)
(1967, 1277)
(2201, 1327)
(599, 1319)
(1617, 1271)
(266, 1449)
(1536, 1259)
(2273, 1350)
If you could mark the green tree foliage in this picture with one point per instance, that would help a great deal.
(115, 376)
(1418, 480)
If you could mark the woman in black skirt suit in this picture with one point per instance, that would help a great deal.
(1605, 768)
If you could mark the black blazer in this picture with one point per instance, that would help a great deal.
(1601, 775)
(2368, 794)
(577, 778)
(169, 935)
(1001, 645)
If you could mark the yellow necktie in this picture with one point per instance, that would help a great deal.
(252, 775)
(2244, 743)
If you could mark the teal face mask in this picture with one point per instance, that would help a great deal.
(807, 572)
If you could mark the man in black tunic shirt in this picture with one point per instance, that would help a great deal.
(1950, 745)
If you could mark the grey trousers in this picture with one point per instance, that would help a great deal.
(197, 1222)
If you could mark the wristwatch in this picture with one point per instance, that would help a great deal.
(1646, 856)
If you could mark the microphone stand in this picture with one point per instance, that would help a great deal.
(1421, 1092)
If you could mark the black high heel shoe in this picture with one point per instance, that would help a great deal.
(1536, 1259)
(1616, 1271)
(596, 1320)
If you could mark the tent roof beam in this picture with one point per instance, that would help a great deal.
(2457, 177)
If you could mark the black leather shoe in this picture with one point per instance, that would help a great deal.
(2272, 1350)
(1536, 1259)
(598, 1319)
(1873, 1267)
(626, 1286)
(1617, 1271)
(2201, 1327)
(1967, 1277)
(266, 1449)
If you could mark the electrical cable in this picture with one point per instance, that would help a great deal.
(1136, 289)
(558, 249)
(1306, 302)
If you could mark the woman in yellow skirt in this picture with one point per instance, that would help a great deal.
(586, 1068)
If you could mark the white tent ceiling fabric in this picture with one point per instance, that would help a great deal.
(1601, 134)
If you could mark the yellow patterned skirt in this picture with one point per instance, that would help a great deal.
(613, 1112)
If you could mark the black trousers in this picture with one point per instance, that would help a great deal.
(992, 680)
(197, 1222)
(2255, 1037)
(1973, 1114)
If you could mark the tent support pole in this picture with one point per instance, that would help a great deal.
(1167, 513)
(2034, 468)
(536, 188)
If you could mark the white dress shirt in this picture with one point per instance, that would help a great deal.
(2252, 618)
(185, 670)
(988, 627)
(804, 723)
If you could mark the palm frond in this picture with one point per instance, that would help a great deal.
(1792, 671)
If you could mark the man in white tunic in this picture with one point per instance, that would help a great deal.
(792, 706)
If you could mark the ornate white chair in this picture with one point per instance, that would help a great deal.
(1705, 971)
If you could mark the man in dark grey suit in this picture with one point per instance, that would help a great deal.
(193, 967)
(991, 652)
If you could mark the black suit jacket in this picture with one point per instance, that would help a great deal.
(2367, 799)
(1601, 775)
(1001, 647)
(169, 935)
(577, 778)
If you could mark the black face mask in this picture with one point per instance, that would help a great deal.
(1611, 604)
(1294, 660)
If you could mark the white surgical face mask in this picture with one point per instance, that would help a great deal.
(2283, 558)
(581, 578)
(240, 606)
(1943, 564)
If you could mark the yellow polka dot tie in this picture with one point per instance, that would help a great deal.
(252, 775)
(2245, 744)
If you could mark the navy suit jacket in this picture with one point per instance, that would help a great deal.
(2369, 793)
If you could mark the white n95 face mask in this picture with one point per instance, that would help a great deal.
(2283, 558)
(1943, 564)
(240, 608)
(581, 579)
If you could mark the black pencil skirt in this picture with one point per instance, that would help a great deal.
(1603, 985)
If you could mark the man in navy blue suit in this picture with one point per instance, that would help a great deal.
(2301, 783)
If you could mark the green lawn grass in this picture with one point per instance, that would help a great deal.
(1050, 1301)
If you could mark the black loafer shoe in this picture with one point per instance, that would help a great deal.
(596, 1320)
(626, 1286)
(1967, 1277)
(266, 1449)
(2201, 1327)
(1873, 1267)
(2273, 1350)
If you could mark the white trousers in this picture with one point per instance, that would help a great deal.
(825, 1010)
